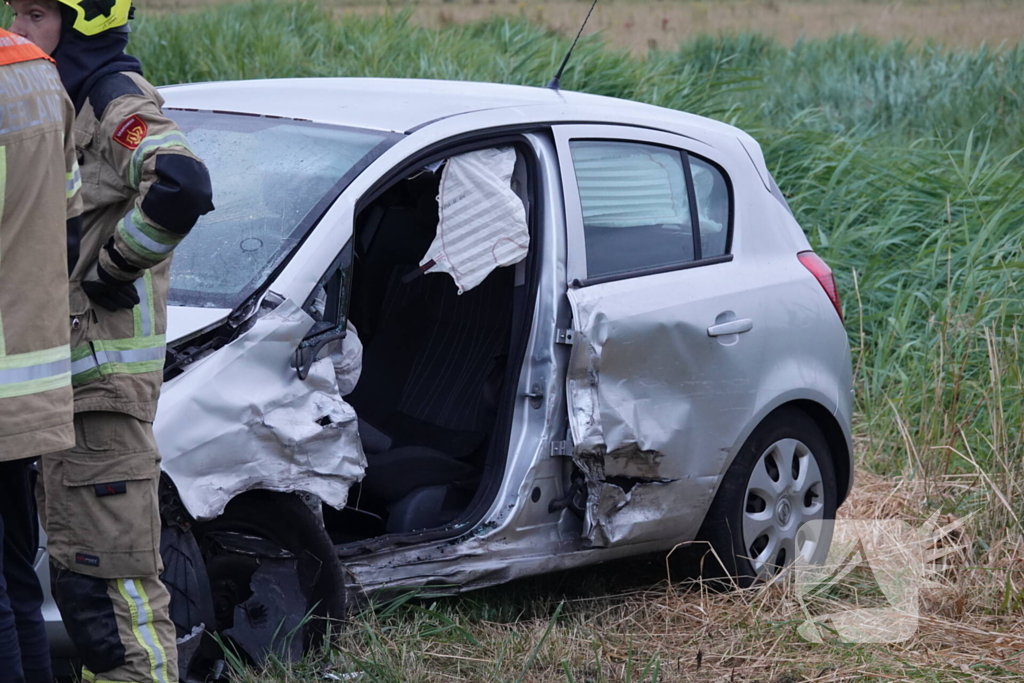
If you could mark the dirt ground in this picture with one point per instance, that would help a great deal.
(642, 24)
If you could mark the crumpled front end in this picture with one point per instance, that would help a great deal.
(241, 419)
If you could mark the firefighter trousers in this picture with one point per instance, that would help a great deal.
(24, 651)
(99, 506)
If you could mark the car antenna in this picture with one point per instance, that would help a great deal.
(556, 82)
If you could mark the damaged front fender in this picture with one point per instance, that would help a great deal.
(241, 420)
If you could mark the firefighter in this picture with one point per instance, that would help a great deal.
(143, 191)
(40, 201)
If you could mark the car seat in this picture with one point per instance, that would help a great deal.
(431, 376)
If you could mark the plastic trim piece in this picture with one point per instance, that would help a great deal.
(615, 277)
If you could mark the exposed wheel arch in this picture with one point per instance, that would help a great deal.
(838, 444)
(841, 456)
(261, 537)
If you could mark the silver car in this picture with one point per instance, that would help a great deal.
(444, 335)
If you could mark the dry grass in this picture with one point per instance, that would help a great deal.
(609, 625)
(642, 24)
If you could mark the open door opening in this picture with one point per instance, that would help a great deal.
(439, 367)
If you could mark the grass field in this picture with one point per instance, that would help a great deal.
(903, 163)
(642, 24)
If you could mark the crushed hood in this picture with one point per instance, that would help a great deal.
(183, 321)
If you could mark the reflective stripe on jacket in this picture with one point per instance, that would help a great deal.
(143, 189)
(39, 192)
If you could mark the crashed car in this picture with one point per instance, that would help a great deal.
(440, 336)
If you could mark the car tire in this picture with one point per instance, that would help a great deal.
(191, 605)
(274, 524)
(756, 523)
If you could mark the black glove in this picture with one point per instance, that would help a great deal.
(108, 292)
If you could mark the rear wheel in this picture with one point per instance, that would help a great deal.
(769, 510)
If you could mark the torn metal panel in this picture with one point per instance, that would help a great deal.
(241, 419)
(631, 462)
(626, 498)
(655, 401)
(618, 512)
(482, 559)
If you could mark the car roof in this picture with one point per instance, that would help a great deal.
(398, 105)
(403, 105)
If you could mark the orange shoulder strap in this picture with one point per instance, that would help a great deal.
(14, 49)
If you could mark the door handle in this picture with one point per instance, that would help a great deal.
(731, 327)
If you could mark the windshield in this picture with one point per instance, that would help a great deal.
(272, 180)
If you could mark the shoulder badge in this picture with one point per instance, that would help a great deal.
(131, 132)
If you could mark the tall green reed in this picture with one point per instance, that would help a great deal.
(901, 162)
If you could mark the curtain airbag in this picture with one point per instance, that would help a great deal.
(482, 222)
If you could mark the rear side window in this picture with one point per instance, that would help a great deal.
(712, 194)
(641, 204)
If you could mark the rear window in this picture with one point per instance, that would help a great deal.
(272, 180)
(640, 204)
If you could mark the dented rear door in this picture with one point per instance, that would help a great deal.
(664, 367)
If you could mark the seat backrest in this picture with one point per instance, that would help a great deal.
(434, 355)
(462, 342)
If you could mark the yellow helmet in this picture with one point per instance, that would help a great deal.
(96, 16)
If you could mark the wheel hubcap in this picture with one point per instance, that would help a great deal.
(784, 493)
(784, 511)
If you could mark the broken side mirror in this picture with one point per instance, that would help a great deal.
(328, 305)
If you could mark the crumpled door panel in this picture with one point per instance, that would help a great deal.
(626, 486)
(655, 404)
(241, 420)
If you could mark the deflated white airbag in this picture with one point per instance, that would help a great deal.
(347, 357)
(482, 222)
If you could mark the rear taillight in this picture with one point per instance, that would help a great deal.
(820, 270)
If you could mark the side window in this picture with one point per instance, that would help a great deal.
(636, 213)
(636, 203)
(712, 195)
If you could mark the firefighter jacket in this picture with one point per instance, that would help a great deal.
(143, 189)
(39, 193)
